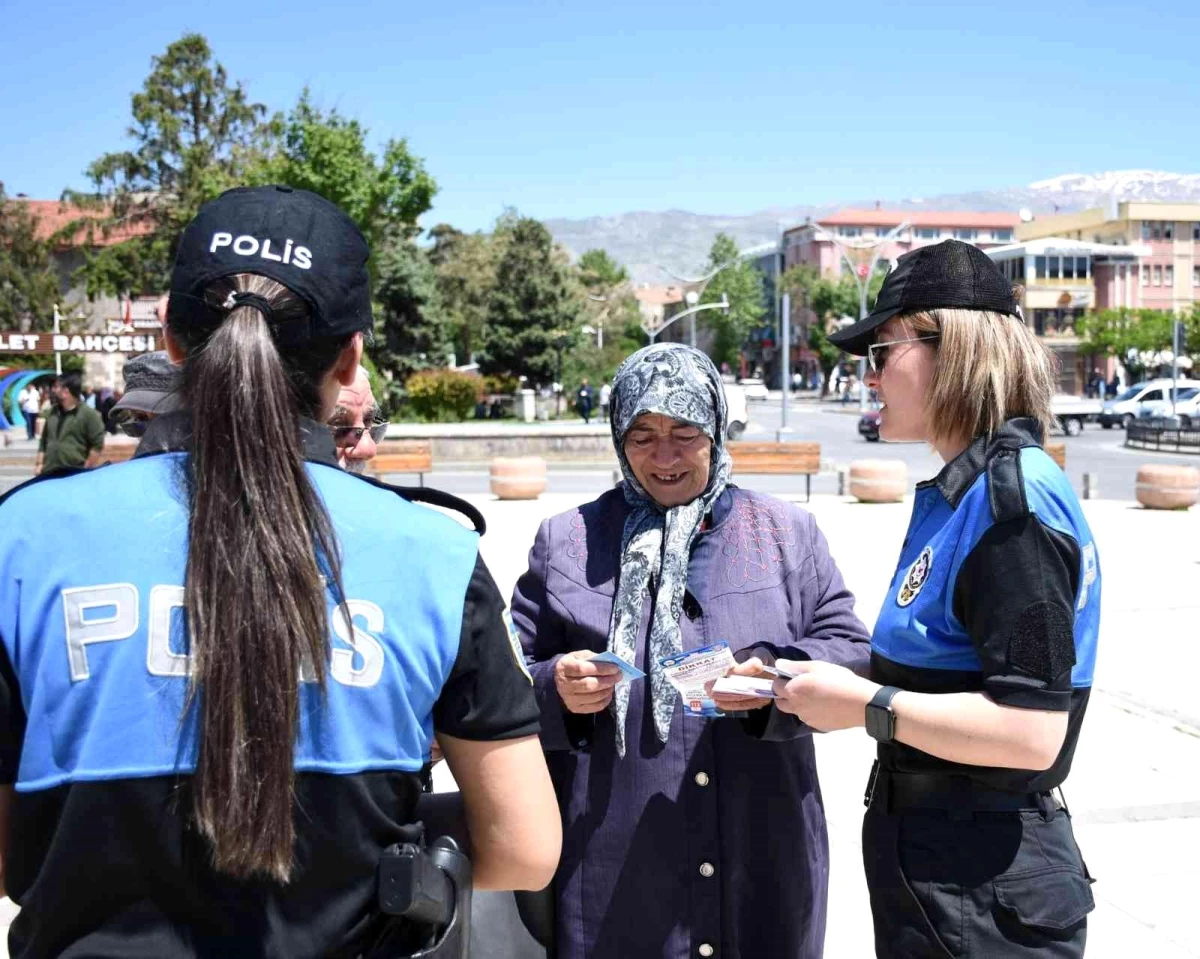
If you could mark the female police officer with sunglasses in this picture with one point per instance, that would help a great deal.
(217, 696)
(982, 655)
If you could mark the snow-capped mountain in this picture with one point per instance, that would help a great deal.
(1125, 185)
(680, 240)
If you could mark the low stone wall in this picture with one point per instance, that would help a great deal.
(553, 447)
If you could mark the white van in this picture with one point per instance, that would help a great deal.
(1125, 408)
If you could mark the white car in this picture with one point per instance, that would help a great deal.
(735, 399)
(1125, 408)
(754, 388)
(1187, 407)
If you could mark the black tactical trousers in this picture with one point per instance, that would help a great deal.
(975, 885)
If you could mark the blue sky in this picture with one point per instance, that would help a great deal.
(577, 109)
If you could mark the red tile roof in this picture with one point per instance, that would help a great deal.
(53, 215)
(658, 295)
(951, 218)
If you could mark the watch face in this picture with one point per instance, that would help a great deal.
(880, 723)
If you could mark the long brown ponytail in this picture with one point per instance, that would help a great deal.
(261, 550)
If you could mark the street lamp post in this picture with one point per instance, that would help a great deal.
(862, 256)
(653, 331)
(700, 282)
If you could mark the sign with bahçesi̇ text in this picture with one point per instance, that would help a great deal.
(78, 342)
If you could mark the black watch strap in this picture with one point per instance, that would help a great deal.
(880, 720)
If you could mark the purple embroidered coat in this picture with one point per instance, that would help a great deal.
(716, 839)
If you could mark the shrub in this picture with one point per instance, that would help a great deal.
(440, 396)
(500, 383)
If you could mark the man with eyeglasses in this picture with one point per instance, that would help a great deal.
(357, 425)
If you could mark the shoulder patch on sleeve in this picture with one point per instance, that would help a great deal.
(1006, 485)
(514, 643)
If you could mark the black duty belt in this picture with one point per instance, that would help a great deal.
(896, 792)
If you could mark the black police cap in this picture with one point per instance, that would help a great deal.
(947, 275)
(295, 237)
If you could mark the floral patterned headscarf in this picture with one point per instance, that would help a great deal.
(680, 382)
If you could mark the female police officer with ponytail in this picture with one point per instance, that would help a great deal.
(217, 695)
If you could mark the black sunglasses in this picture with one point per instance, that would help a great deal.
(133, 425)
(350, 436)
(877, 353)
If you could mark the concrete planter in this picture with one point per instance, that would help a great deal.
(518, 477)
(878, 481)
(1168, 487)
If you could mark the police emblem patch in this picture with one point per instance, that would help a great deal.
(514, 643)
(915, 578)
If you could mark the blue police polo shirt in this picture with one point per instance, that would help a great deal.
(95, 737)
(997, 590)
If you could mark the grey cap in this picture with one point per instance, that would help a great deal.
(152, 385)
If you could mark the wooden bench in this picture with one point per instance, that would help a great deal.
(116, 451)
(800, 459)
(403, 456)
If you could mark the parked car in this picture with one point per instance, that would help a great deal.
(1124, 409)
(1185, 407)
(754, 388)
(735, 399)
(868, 426)
(1188, 410)
(1072, 412)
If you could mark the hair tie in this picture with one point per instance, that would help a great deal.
(252, 300)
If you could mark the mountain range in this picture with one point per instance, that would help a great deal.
(679, 240)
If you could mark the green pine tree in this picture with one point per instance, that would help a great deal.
(410, 321)
(535, 309)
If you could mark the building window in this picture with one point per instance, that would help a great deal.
(1196, 276)
(883, 230)
(1145, 275)
(1158, 229)
(928, 232)
(965, 234)
(1081, 267)
(1053, 263)
(1021, 268)
(1004, 236)
(1039, 267)
(1068, 267)
(1168, 275)
(1157, 274)
(1196, 231)
(849, 231)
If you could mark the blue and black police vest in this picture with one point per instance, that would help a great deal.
(998, 539)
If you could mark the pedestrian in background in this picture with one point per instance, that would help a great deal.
(245, 691)
(31, 405)
(983, 653)
(583, 400)
(605, 399)
(74, 433)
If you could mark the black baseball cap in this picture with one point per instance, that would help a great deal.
(947, 275)
(293, 236)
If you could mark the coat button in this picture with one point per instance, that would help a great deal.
(705, 950)
(701, 779)
(707, 870)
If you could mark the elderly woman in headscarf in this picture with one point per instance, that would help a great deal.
(684, 836)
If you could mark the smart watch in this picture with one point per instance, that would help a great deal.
(881, 721)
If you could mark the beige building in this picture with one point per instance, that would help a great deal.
(1064, 279)
(1166, 275)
